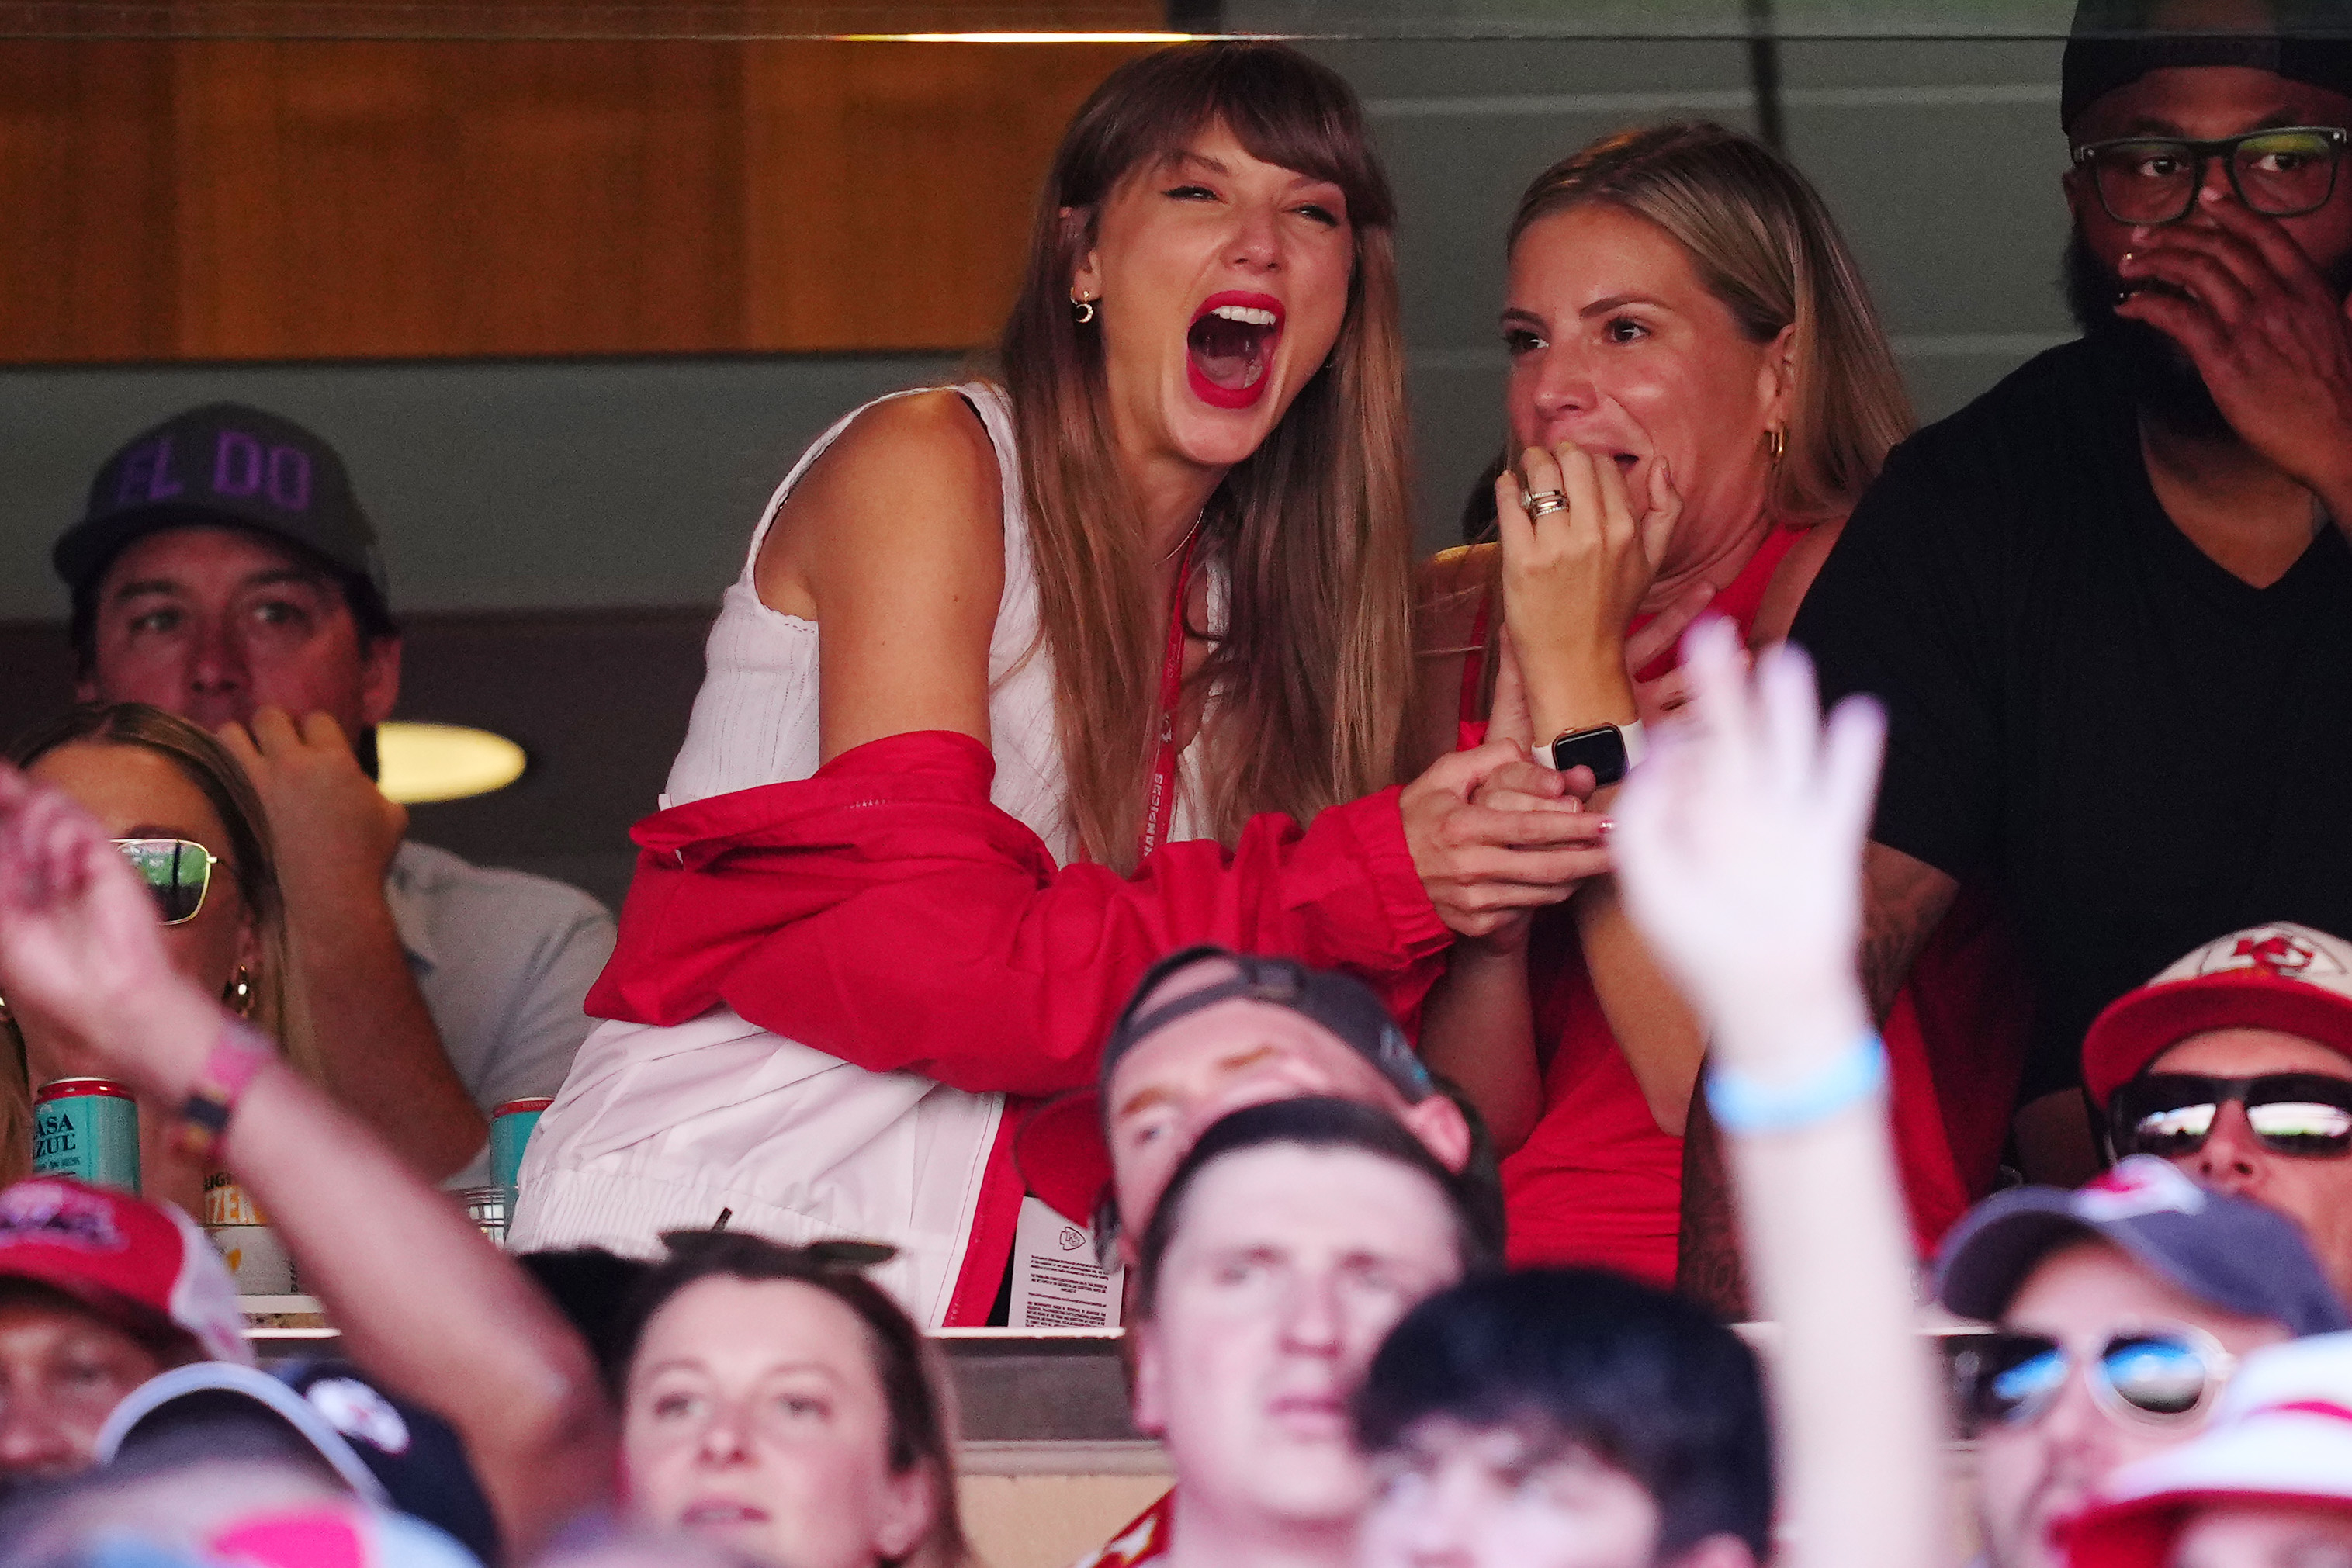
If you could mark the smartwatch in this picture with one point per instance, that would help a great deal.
(1611, 750)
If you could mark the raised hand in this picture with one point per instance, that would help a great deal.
(1738, 847)
(332, 825)
(1573, 578)
(2264, 328)
(80, 949)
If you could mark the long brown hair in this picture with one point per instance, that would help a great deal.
(1765, 244)
(916, 1389)
(251, 861)
(1313, 662)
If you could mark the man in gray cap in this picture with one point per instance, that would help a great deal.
(2126, 565)
(225, 571)
(2119, 1311)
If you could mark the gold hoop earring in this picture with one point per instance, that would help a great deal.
(239, 995)
(1083, 310)
(1776, 444)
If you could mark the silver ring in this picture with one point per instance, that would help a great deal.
(1542, 503)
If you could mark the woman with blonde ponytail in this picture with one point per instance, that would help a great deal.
(1031, 681)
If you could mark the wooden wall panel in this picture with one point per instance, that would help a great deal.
(249, 200)
(893, 186)
(86, 267)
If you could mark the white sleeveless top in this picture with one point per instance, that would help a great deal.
(755, 719)
(661, 1128)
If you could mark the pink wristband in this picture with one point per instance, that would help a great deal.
(236, 1058)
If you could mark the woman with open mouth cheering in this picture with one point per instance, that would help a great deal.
(1029, 682)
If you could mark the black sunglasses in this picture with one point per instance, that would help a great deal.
(2155, 1376)
(2307, 1114)
(2153, 180)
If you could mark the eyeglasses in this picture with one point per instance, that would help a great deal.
(2306, 1114)
(2159, 1377)
(2153, 180)
(177, 873)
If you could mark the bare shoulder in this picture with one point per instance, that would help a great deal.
(1448, 593)
(911, 482)
(1793, 579)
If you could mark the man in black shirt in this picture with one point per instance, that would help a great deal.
(2109, 604)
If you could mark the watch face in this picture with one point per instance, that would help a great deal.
(1602, 749)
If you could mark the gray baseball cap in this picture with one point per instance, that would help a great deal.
(224, 463)
(2233, 1253)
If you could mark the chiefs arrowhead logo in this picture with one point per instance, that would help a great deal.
(2272, 950)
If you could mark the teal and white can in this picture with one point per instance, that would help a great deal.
(511, 1129)
(88, 1128)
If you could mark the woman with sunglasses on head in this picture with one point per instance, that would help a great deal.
(188, 819)
(1699, 392)
(1030, 681)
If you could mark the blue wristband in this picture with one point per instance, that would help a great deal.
(1741, 1104)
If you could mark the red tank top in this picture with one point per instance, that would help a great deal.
(1598, 1182)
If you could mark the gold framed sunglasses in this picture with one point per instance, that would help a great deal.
(177, 872)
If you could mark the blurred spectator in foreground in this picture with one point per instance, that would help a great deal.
(1565, 1418)
(2235, 1064)
(99, 1292)
(2270, 1486)
(388, 1453)
(225, 572)
(1286, 1243)
(778, 1405)
(187, 818)
(775, 1404)
(2128, 555)
(423, 1301)
(2119, 1311)
(1209, 1031)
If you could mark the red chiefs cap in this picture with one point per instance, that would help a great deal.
(2279, 977)
(141, 1266)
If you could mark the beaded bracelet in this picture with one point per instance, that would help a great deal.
(236, 1058)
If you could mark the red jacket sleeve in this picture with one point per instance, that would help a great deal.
(885, 912)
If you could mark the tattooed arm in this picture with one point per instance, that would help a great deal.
(1904, 900)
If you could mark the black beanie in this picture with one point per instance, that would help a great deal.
(2114, 43)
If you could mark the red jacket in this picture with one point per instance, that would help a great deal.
(886, 913)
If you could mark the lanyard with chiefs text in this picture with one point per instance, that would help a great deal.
(1160, 809)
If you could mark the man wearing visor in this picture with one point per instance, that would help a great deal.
(2235, 1064)
(2119, 1312)
(2108, 597)
(1207, 1032)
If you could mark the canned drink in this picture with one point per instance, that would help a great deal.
(225, 1203)
(258, 1260)
(88, 1128)
(511, 1125)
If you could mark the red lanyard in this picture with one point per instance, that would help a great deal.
(1161, 812)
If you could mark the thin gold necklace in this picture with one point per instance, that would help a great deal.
(1187, 535)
